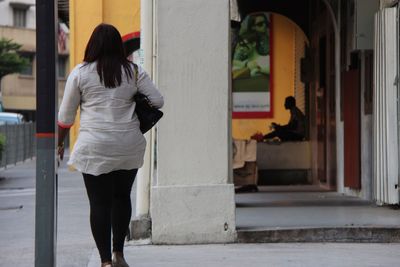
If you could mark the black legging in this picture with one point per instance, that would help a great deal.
(110, 208)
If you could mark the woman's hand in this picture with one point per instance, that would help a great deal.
(62, 133)
(60, 151)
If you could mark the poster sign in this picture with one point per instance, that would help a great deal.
(251, 68)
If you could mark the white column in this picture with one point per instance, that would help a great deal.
(144, 173)
(339, 123)
(191, 200)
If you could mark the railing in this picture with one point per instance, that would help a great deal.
(20, 143)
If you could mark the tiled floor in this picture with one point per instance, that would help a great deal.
(288, 207)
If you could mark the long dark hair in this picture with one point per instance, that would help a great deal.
(105, 47)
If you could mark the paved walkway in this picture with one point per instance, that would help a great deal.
(261, 255)
(255, 211)
(290, 214)
(284, 209)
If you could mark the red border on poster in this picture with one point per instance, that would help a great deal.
(263, 115)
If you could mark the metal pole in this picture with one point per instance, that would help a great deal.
(46, 168)
(398, 87)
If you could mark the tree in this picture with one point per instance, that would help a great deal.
(10, 60)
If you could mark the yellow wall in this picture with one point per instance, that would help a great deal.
(284, 63)
(86, 15)
(125, 15)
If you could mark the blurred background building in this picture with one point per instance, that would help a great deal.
(18, 23)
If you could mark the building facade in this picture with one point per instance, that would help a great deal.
(343, 80)
(18, 22)
(332, 55)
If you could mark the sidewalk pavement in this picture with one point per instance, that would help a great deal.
(257, 255)
(332, 215)
(76, 247)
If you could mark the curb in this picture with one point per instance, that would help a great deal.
(321, 234)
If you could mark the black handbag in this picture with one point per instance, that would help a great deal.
(147, 115)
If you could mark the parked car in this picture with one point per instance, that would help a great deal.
(11, 118)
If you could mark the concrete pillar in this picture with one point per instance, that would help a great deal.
(191, 199)
(141, 226)
(339, 122)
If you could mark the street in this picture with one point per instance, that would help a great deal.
(17, 217)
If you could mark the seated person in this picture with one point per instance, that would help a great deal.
(295, 129)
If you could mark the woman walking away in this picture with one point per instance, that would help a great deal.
(110, 146)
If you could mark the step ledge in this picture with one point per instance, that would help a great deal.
(347, 234)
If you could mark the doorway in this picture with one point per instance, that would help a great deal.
(302, 66)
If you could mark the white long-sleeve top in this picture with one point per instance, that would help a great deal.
(109, 136)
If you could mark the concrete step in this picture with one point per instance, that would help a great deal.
(284, 177)
(355, 234)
